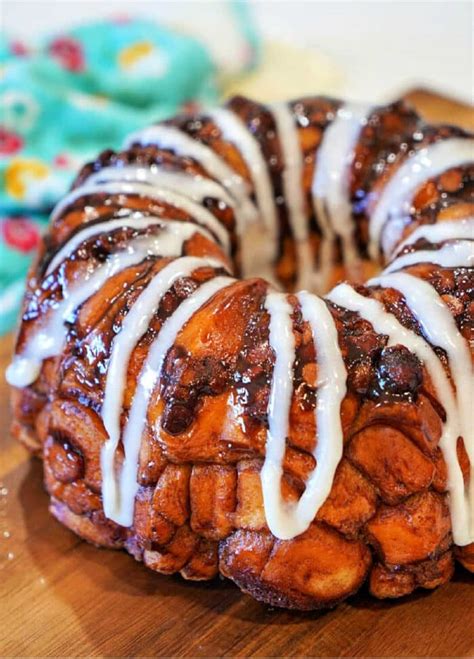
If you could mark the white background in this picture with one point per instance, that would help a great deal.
(381, 47)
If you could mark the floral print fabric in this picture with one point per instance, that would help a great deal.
(74, 95)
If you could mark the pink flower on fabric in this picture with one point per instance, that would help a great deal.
(10, 143)
(20, 233)
(61, 160)
(18, 48)
(69, 53)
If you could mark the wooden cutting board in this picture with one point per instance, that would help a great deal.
(60, 596)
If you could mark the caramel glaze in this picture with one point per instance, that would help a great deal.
(199, 508)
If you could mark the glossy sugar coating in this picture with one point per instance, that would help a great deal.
(199, 507)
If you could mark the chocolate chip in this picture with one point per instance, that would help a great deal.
(398, 371)
(360, 376)
(177, 417)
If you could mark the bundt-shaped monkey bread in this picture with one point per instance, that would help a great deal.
(190, 412)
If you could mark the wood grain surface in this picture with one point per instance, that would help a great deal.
(62, 597)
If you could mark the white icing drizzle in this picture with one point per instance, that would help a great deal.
(175, 233)
(182, 191)
(282, 342)
(330, 191)
(287, 520)
(331, 390)
(192, 186)
(169, 137)
(396, 199)
(134, 326)
(330, 186)
(459, 253)
(49, 339)
(439, 232)
(234, 130)
(119, 497)
(440, 328)
(293, 190)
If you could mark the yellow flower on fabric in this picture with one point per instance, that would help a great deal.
(143, 59)
(88, 101)
(19, 172)
(130, 55)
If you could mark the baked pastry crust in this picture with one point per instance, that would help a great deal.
(199, 507)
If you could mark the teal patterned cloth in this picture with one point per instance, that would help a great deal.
(74, 95)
